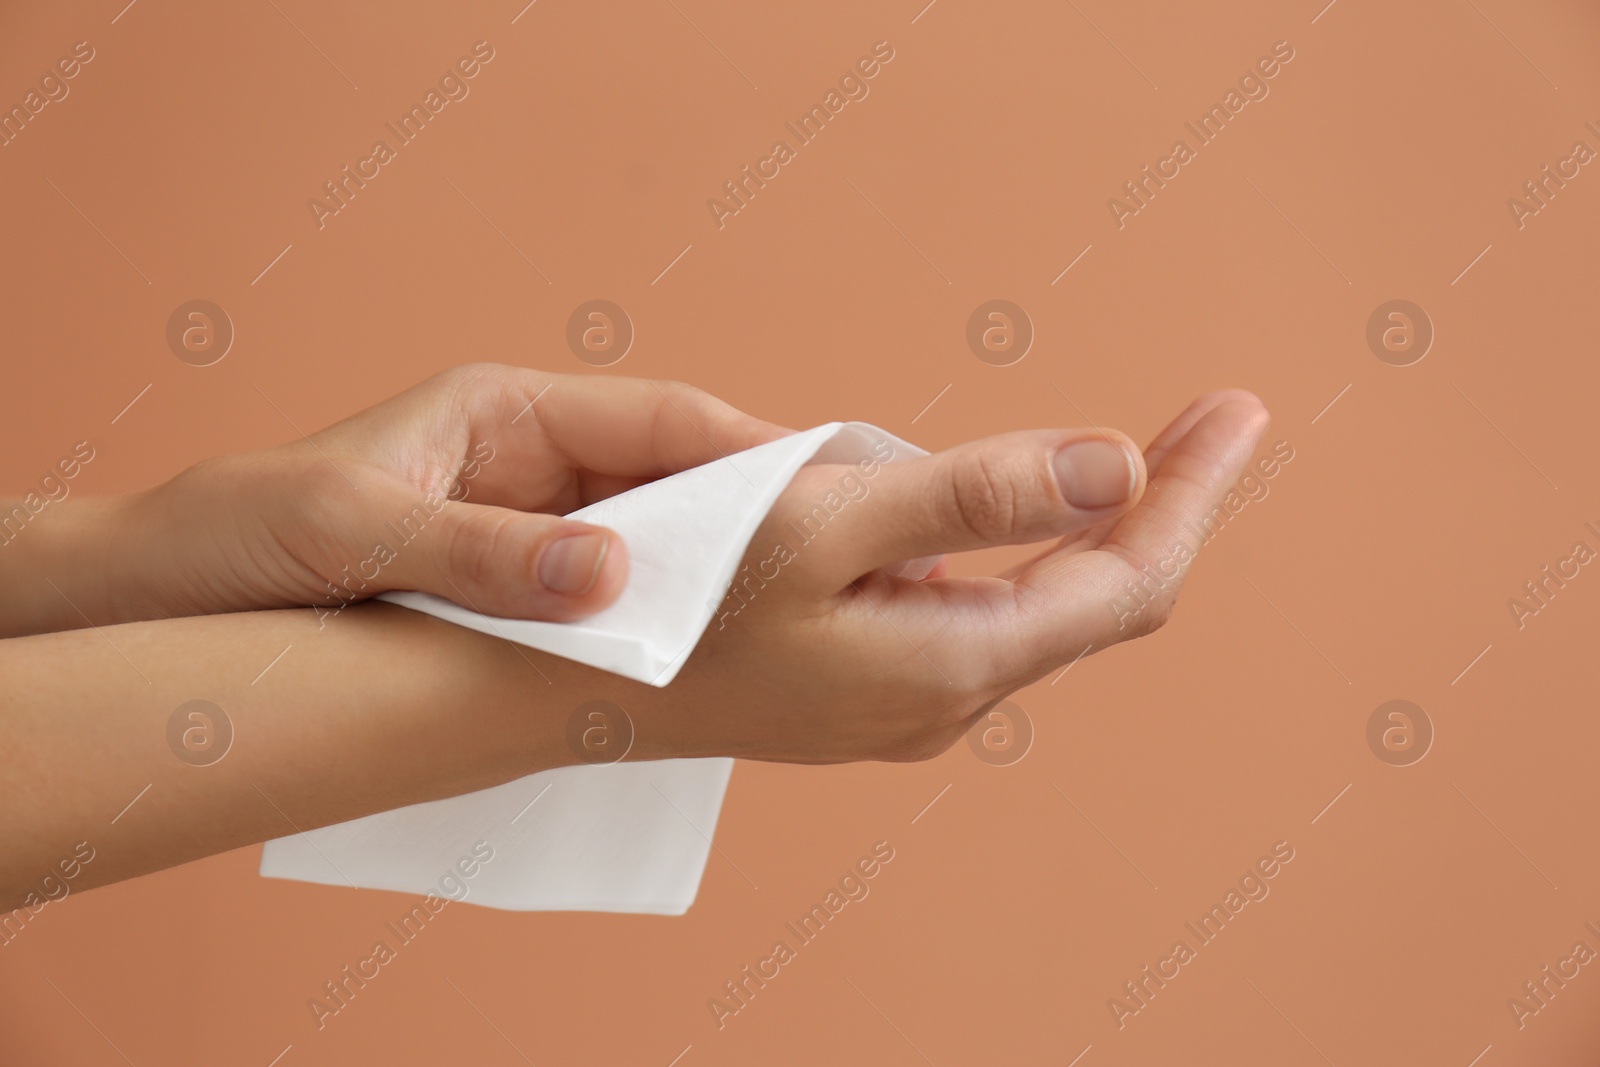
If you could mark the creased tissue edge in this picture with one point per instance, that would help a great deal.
(637, 658)
(621, 653)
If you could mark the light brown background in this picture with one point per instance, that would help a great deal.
(1378, 568)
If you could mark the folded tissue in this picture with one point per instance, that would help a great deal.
(619, 837)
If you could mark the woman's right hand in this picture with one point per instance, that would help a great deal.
(835, 660)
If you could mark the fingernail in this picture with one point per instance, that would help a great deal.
(1095, 474)
(571, 565)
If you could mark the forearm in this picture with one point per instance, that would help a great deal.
(380, 708)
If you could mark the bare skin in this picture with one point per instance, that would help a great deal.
(377, 707)
(276, 528)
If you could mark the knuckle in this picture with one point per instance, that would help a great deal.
(682, 391)
(1144, 600)
(463, 375)
(675, 402)
(967, 678)
(462, 381)
(917, 748)
(478, 551)
(326, 490)
(983, 500)
(1156, 614)
(679, 396)
(944, 719)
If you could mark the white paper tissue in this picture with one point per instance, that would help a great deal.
(624, 837)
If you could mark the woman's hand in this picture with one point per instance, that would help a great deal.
(454, 487)
(833, 660)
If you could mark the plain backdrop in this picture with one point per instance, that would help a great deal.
(978, 167)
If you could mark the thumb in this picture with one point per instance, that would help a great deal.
(512, 564)
(1012, 489)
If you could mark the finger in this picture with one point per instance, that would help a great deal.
(1072, 601)
(1154, 454)
(503, 562)
(1005, 490)
(525, 439)
(563, 441)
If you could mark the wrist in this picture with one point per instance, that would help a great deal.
(514, 702)
(196, 544)
(569, 714)
(56, 566)
(100, 561)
